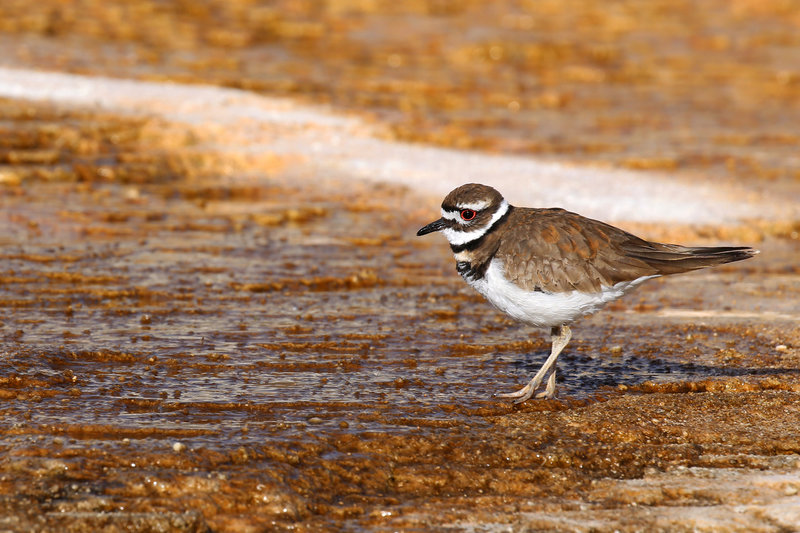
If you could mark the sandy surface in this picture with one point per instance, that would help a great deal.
(214, 314)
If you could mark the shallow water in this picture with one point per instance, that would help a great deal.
(265, 357)
(208, 322)
(180, 319)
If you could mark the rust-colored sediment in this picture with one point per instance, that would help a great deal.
(184, 353)
(187, 346)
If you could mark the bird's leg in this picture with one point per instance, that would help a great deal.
(550, 390)
(560, 336)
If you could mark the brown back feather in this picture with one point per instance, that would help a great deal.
(557, 250)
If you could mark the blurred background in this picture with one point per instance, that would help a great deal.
(710, 86)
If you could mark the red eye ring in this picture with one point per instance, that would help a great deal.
(468, 214)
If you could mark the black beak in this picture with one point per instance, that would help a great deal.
(436, 225)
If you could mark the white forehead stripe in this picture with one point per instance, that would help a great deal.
(477, 206)
(450, 215)
(457, 237)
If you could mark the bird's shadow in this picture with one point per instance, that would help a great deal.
(586, 372)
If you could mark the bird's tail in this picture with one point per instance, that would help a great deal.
(674, 259)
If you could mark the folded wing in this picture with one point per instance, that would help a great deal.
(562, 251)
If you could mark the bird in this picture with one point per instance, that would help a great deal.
(547, 267)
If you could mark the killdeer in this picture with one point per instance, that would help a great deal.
(548, 267)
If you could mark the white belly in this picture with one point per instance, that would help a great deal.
(544, 309)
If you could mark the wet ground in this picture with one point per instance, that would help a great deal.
(197, 340)
(191, 352)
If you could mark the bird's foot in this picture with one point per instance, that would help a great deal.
(523, 394)
(545, 395)
(529, 391)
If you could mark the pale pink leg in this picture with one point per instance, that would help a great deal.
(560, 336)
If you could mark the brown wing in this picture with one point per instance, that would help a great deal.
(557, 250)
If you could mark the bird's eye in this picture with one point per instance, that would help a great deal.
(468, 214)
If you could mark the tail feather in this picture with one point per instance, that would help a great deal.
(674, 259)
